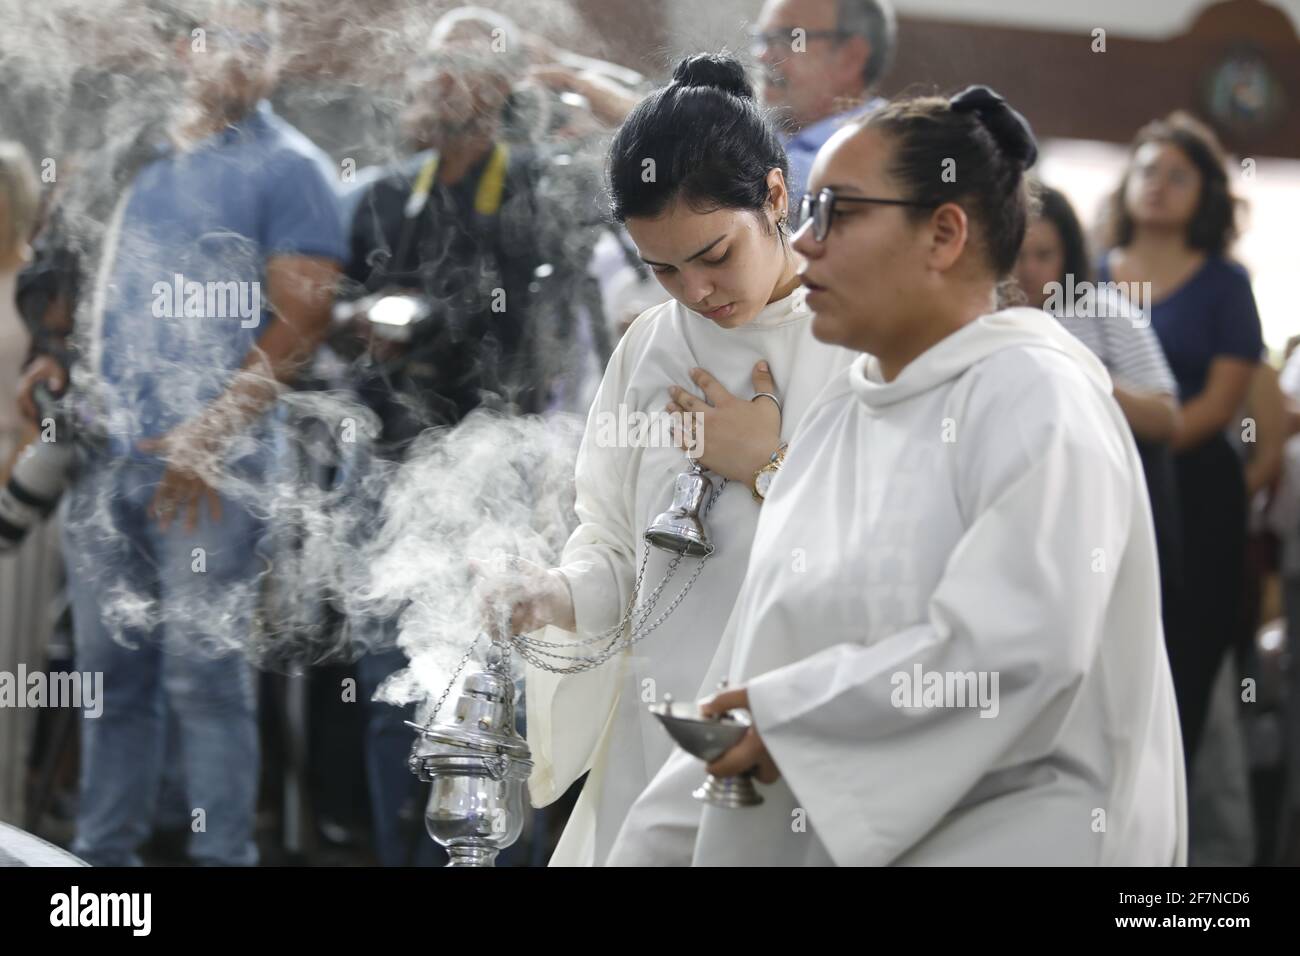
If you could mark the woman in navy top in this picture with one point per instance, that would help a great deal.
(1056, 251)
(1173, 220)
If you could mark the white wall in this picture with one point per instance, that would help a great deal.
(707, 24)
(1150, 19)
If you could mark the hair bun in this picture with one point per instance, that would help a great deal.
(1009, 129)
(716, 71)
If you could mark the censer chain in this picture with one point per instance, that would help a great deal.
(532, 649)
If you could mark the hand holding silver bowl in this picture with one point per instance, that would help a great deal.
(709, 738)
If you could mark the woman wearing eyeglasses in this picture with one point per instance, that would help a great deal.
(969, 668)
(698, 179)
(1173, 221)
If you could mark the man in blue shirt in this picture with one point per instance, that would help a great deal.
(820, 61)
(215, 277)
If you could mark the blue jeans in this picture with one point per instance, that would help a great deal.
(397, 797)
(162, 615)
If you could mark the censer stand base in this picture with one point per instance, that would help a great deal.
(469, 855)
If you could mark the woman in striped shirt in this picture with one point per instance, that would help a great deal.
(1054, 274)
(1114, 328)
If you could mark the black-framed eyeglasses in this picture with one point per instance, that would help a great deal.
(760, 40)
(820, 209)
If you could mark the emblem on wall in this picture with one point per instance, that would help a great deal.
(1242, 92)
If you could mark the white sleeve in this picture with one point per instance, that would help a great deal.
(599, 559)
(567, 714)
(1019, 597)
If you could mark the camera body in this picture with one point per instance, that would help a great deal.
(394, 316)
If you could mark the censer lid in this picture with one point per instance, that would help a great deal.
(482, 720)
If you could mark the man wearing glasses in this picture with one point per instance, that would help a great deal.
(820, 60)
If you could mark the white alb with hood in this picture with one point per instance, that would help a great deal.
(983, 514)
(597, 721)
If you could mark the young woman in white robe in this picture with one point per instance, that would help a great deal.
(948, 636)
(710, 223)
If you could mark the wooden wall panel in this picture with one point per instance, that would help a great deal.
(1065, 89)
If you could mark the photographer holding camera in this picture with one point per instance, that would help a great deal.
(456, 302)
(452, 231)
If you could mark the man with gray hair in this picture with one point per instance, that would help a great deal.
(821, 60)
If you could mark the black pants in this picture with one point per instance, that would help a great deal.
(1166, 516)
(1205, 611)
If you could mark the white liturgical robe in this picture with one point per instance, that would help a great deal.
(597, 720)
(949, 629)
